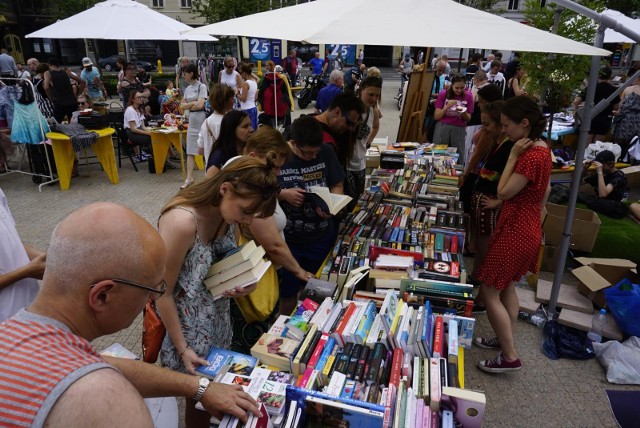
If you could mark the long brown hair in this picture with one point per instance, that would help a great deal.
(268, 142)
(250, 178)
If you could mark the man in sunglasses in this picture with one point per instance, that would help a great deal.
(103, 264)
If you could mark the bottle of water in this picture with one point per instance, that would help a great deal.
(598, 324)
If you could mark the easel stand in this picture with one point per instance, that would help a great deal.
(37, 178)
(415, 105)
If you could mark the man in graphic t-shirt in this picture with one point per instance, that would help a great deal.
(310, 231)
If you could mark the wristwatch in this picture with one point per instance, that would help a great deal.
(203, 383)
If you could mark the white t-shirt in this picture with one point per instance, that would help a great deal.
(206, 138)
(131, 114)
(13, 256)
(359, 159)
(251, 96)
(230, 80)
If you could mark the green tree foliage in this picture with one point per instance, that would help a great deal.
(558, 75)
(61, 9)
(221, 10)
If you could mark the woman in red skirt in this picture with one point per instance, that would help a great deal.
(515, 243)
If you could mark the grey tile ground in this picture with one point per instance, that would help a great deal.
(544, 393)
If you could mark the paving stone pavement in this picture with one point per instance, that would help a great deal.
(545, 393)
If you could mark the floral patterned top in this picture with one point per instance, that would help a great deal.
(205, 323)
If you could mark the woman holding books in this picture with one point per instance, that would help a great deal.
(235, 130)
(514, 246)
(197, 226)
(253, 314)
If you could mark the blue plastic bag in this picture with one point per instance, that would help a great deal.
(623, 300)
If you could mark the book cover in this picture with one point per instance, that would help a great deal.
(298, 324)
(466, 328)
(249, 264)
(279, 328)
(434, 384)
(295, 362)
(317, 290)
(315, 356)
(467, 406)
(320, 412)
(274, 350)
(232, 258)
(218, 358)
(438, 337)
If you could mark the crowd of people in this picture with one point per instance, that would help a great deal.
(104, 261)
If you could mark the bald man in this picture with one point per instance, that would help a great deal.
(32, 63)
(104, 263)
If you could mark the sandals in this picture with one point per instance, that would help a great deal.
(187, 183)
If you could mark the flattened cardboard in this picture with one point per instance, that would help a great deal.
(584, 232)
(596, 274)
(569, 297)
(527, 299)
(582, 321)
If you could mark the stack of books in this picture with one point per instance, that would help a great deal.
(240, 268)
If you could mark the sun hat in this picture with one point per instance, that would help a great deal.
(86, 61)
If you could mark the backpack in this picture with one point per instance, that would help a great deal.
(267, 97)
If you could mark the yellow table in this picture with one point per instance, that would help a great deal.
(64, 155)
(160, 143)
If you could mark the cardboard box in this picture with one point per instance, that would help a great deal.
(597, 274)
(584, 232)
(633, 176)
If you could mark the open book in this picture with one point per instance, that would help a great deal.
(332, 201)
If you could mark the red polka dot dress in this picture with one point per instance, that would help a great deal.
(515, 243)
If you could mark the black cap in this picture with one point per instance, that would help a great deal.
(605, 156)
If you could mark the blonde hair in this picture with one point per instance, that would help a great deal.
(268, 142)
(250, 178)
(373, 71)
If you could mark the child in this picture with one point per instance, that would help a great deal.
(170, 92)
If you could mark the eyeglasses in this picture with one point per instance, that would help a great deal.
(141, 97)
(350, 123)
(82, 103)
(161, 291)
(229, 66)
(309, 153)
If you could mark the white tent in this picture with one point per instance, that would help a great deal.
(119, 20)
(442, 23)
(611, 36)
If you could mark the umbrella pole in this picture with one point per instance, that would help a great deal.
(605, 21)
(577, 173)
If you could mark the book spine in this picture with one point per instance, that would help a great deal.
(435, 386)
(396, 367)
(315, 356)
(438, 337)
(337, 333)
(353, 361)
(362, 361)
(376, 364)
(329, 348)
(362, 331)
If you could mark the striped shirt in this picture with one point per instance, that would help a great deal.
(39, 359)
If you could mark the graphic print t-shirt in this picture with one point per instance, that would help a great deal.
(303, 224)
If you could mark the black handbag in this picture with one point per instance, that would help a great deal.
(94, 121)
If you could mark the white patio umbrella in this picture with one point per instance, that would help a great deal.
(119, 20)
(611, 36)
(442, 23)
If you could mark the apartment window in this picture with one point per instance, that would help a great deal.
(185, 3)
(158, 3)
(513, 4)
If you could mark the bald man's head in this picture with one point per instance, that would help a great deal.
(102, 241)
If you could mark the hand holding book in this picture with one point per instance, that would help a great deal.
(240, 291)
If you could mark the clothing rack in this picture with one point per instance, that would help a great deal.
(37, 178)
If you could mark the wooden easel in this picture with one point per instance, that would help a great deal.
(415, 105)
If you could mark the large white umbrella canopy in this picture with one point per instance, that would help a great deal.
(442, 23)
(611, 36)
(119, 20)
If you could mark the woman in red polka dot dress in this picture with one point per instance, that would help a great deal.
(514, 245)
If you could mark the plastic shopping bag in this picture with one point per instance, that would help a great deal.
(623, 300)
